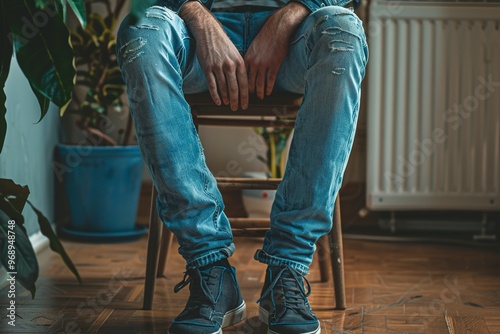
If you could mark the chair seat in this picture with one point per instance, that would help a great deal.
(280, 105)
(279, 110)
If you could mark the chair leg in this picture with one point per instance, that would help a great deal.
(337, 258)
(166, 240)
(323, 254)
(152, 256)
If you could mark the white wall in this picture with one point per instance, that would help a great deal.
(230, 151)
(27, 153)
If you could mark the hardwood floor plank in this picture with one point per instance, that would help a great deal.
(462, 310)
(493, 323)
(101, 320)
(350, 320)
(404, 324)
(374, 323)
(463, 325)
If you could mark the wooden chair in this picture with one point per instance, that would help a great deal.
(278, 110)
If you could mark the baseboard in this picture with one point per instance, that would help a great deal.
(39, 242)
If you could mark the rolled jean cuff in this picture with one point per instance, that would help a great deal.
(209, 258)
(271, 260)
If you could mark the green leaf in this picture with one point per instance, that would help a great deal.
(55, 244)
(26, 264)
(43, 51)
(15, 193)
(58, 5)
(79, 10)
(40, 3)
(138, 7)
(5, 58)
(42, 101)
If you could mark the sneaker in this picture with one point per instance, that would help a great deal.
(215, 300)
(283, 304)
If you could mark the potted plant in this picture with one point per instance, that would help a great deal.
(277, 141)
(46, 59)
(257, 202)
(102, 173)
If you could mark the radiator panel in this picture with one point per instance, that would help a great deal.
(433, 124)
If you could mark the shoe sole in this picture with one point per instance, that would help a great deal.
(264, 317)
(232, 317)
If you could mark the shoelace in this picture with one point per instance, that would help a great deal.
(295, 294)
(203, 289)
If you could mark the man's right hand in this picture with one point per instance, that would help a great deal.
(221, 62)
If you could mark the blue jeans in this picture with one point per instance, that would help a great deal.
(326, 62)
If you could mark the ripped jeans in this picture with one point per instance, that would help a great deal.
(326, 62)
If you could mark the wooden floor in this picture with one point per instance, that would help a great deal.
(391, 288)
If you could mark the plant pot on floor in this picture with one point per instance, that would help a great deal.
(102, 188)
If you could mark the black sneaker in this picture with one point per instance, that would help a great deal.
(215, 300)
(283, 303)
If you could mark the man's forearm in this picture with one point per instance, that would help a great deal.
(285, 21)
(296, 10)
(197, 17)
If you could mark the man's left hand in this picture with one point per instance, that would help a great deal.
(267, 51)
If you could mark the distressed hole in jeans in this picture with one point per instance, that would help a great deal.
(339, 45)
(134, 57)
(337, 30)
(338, 71)
(161, 14)
(320, 20)
(147, 26)
(132, 49)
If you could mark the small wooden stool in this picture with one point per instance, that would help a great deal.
(278, 110)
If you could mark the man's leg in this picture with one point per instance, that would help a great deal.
(326, 62)
(157, 57)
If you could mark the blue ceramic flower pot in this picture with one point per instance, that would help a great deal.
(102, 186)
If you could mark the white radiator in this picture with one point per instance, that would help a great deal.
(434, 106)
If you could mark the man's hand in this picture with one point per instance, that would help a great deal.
(221, 62)
(267, 51)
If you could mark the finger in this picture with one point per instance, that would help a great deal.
(271, 79)
(243, 85)
(212, 88)
(232, 85)
(260, 83)
(252, 78)
(222, 86)
(251, 73)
